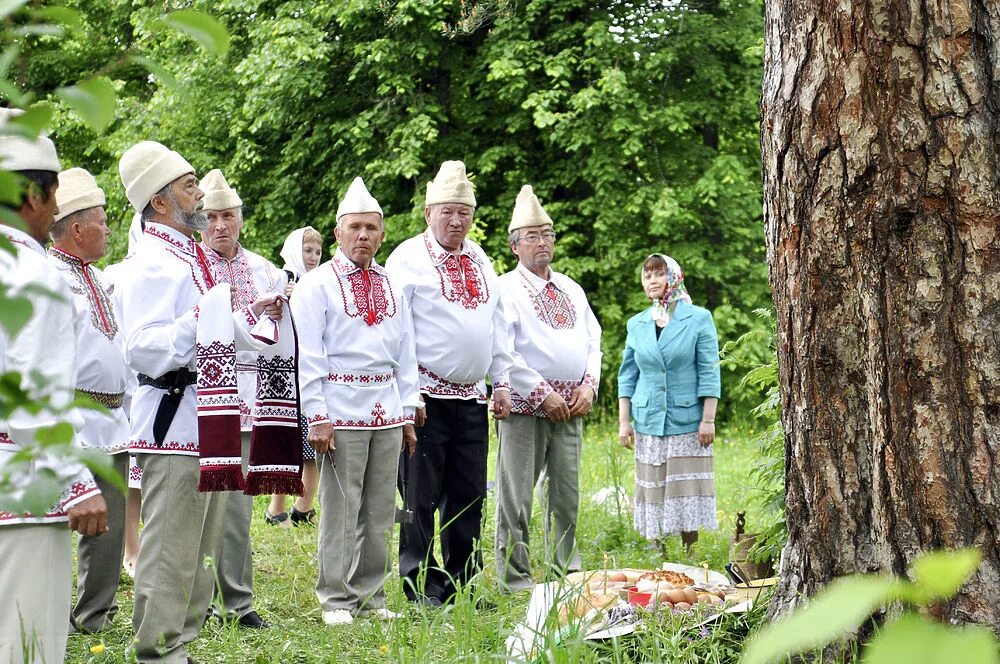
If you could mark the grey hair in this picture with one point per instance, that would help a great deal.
(514, 237)
(60, 227)
(148, 213)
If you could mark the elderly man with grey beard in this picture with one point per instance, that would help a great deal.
(163, 310)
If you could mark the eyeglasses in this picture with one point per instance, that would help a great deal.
(535, 238)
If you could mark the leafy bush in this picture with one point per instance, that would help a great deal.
(912, 637)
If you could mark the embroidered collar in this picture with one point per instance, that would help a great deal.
(537, 282)
(67, 257)
(344, 265)
(172, 237)
(439, 254)
(20, 237)
(215, 257)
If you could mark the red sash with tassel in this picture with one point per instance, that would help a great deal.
(220, 449)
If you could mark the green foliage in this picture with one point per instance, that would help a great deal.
(843, 606)
(636, 123)
(46, 38)
(767, 468)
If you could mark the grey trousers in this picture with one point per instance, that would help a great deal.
(36, 580)
(527, 445)
(235, 568)
(357, 498)
(99, 559)
(173, 585)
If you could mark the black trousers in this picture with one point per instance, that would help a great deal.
(447, 474)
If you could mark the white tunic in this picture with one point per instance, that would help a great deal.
(164, 283)
(357, 362)
(458, 318)
(251, 276)
(44, 353)
(557, 339)
(100, 357)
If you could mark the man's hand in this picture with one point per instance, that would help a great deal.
(626, 435)
(89, 517)
(420, 416)
(269, 304)
(409, 439)
(289, 287)
(501, 404)
(321, 437)
(555, 408)
(581, 400)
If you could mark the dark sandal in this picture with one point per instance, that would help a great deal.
(306, 518)
(275, 519)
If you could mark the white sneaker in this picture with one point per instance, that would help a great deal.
(338, 617)
(384, 614)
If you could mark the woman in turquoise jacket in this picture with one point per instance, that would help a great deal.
(668, 392)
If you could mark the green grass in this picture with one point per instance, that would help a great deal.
(285, 575)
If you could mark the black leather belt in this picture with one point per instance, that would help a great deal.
(174, 382)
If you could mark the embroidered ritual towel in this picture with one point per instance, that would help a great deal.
(219, 445)
(276, 444)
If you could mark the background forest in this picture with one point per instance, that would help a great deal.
(636, 123)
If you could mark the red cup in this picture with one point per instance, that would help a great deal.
(636, 598)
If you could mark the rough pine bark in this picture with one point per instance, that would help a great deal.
(881, 147)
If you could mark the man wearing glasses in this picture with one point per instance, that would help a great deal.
(557, 365)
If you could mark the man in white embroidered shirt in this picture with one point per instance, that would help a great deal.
(161, 303)
(250, 276)
(80, 237)
(37, 557)
(358, 373)
(557, 364)
(452, 290)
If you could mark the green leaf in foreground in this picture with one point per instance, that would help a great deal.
(8, 7)
(915, 639)
(941, 574)
(199, 26)
(68, 17)
(837, 609)
(161, 73)
(94, 100)
(15, 313)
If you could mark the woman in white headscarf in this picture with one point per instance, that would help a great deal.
(668, 392)
(302, 251)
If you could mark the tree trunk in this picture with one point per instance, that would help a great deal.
(880, 145)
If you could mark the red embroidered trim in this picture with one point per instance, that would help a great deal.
(552, 306)
(151, 229)
(377, 421)
(102, 315)
(141, 445)
(368, 291)
(194, 275)
(363, 379)
(532, 403)
(462, 279)
(315, 419)
(443, 387)
(236, 273)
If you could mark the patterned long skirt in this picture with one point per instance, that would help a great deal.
(674, 485)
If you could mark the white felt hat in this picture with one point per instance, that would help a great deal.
(358, 200)
(528, 211)
(148, 167)
(451, 186)
(21, 154)
(77, 191)
(218, 194)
